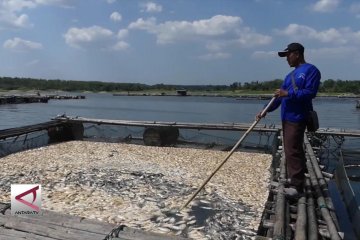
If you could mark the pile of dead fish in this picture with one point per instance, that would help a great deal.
(209, 216)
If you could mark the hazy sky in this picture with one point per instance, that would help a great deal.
(176, 41)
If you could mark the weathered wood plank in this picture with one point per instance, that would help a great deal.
(46, 229)
(27, 228)
(12, 132)
(132, 234)
(69, 221)
(12, 234)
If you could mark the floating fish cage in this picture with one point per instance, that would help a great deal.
(136, 173)
(139, 174)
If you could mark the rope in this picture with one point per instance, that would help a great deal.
(114, 233)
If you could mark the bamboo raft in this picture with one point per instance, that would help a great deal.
(312, 216)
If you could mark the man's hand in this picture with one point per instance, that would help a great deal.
(281, 93)
(258, 116)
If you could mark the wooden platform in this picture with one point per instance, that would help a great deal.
(311, 216)
(51, 225)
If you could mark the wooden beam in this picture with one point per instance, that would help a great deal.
(184, 125)
(12, 132)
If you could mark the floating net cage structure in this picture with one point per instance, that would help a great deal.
(217, 139)
(220, 137)
(340, 155)
(332, 148)
(215, 136)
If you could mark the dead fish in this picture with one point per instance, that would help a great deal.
(247, 232)
(172, 220)
(164, 230)
(180, 222)
(191, 222)
(199, 228)
(205, 201)
(178, 228)
(207, 208)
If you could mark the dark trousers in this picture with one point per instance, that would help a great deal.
(293, 137)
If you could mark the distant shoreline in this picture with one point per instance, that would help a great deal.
(219, 94)
(239, 95)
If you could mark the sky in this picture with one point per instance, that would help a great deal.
(183, 42)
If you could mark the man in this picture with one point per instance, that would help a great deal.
(295, 97)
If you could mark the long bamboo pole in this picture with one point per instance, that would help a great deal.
(322, 183)
(301, 221)
(230, 153)
(331, 227)
(279, 230)
(312, 223)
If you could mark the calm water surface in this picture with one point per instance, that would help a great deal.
(333, 113)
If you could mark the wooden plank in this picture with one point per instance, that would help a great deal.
(69, 221)
(132, 233)
(51, 231)
(12, 234)
(47, 230)
(62, 230)
(12, 132)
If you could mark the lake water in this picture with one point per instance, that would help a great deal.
(333, 112)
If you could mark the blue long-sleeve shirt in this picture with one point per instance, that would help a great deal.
(298, 103)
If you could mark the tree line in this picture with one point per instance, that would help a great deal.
(8, 83)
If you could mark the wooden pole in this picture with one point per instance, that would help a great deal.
(334, 235)
(312, 222)
(279, 226)
(180, 125)
(230, 153)
(301, 220)
(322, 183)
